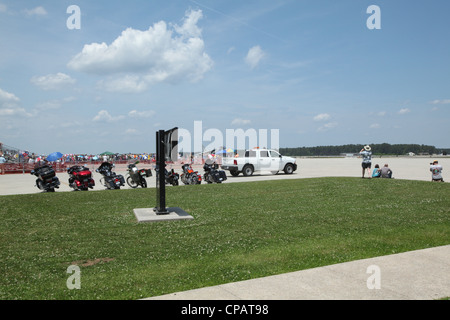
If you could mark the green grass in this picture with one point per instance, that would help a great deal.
(240, 231)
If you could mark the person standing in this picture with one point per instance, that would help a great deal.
(366, 164)
(436, 171)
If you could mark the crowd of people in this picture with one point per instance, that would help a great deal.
(386, 172)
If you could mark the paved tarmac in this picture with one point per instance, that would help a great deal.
(416, 275)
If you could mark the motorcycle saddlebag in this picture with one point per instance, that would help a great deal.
(148, 172)
(223, 175)
(47, 173)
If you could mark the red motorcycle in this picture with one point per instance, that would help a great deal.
(80, 178)
(189, 176)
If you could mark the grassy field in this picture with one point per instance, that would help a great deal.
(240, 231)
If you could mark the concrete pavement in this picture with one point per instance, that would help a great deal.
(415, 275)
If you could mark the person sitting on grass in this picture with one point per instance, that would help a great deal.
(386, 172)
(436, 171)
(376, 172)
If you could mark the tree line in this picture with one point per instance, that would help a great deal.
(377, 149)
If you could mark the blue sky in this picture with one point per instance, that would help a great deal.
(312, 69)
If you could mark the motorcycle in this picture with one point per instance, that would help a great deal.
(189, 176)
(137, 177)
(110, 179)
(47, 179)
(80, 178)
(170, 177)
(212, 173)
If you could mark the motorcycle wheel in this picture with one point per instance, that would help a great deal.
(40, 184)
(143, 183)
(131, 183)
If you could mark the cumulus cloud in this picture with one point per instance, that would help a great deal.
(327, 126)
(322, 117)
(141, 114)
(404, 111)
(254, 56)
(38, 11)
(9, 105)
(239, 121)
(53, 81)
(138, 58)
(445, 101)
(104, 116)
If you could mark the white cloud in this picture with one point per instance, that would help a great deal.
(404, 111)
(322, 117)
(53, 81)
(254, 56)
(141, 58)
(104, 116)
(374, 125)
(131, 132)
(126, 84)
(445, 101)
(38, 11)
(141, 114)
(239, 121)
(381, 113)
(3, 8)
(9, 105)
(327, 126)
(7, 98)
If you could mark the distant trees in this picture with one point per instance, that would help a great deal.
(377, 149)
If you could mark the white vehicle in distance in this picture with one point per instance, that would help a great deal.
(259, 160)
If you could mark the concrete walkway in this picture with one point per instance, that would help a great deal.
(415, 275)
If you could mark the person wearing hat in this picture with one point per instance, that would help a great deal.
(436, 171)
(366, 164)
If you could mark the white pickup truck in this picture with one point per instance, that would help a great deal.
(259, 160)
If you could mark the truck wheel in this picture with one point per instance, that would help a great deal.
(234, 173)
(289, 169)
(247, 170)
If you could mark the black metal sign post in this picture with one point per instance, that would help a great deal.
(166, 150)
(160, 174)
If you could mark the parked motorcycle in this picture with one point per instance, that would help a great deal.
(110, 179)
(171, 177)
(212, 173)
(136, 177)
(189, 176)
(47, 179)
(80, 178)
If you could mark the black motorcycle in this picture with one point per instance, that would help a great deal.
(47, 179)
(110, 179)
(171, 177)
(80, 178)
(212, 174)
(136, 177)
(189, 176)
